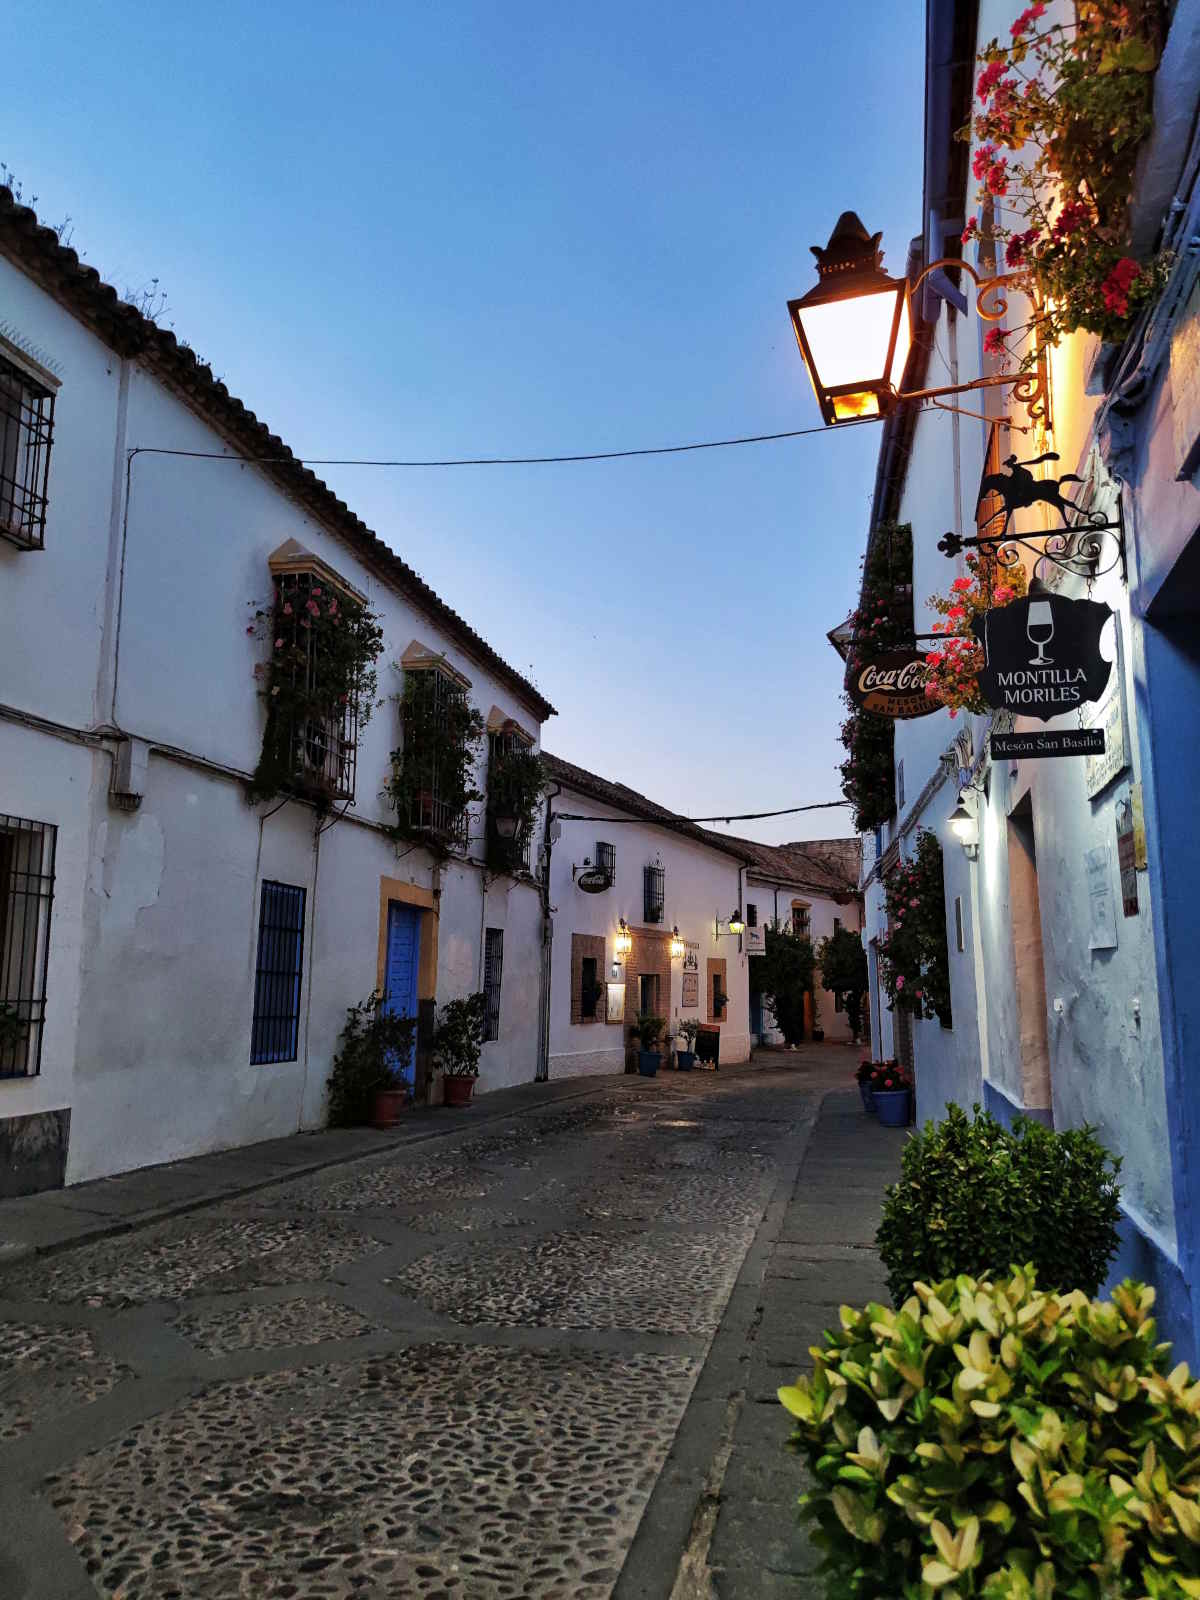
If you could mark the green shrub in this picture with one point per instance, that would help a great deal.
(975, 1197)
(371, 1048)
(458, 1042)
(990, 1439)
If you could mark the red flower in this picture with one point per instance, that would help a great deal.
(993, 341)
(989, 78)
(1027, 17)
(1073, 216)
(971, 229)
(997, 178)
(983, 160)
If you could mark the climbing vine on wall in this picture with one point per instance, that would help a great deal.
(914, 962)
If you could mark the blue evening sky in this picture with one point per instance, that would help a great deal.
(473, 229)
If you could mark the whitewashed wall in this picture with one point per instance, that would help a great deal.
(774, 901)
(154, 928)
(700, 884)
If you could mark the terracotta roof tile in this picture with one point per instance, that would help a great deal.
(78, 287)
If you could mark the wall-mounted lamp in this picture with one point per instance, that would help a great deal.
(677, 945)
(623, 943)
(733, 924)
(965, 827)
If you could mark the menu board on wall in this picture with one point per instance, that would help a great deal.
(690, 998)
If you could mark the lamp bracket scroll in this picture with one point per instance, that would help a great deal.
(1087, 544)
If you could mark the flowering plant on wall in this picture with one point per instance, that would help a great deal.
(883, 621)
(318, 682)
(914, 963)
(1063, 108)
(956, 662)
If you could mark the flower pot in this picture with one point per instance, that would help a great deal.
(892, 1106)
(868, 1097)
(685, 1059)
(388, 1107)
(458, 1090)
(648, 1061)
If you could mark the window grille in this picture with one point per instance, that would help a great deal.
(513, 851)
(26, 429)
(899, 783)
(26, 894)
(589, 985)
(275, 1035)
(751, 914)
(654, 880)
(802, 921)
(429, 808)
(493, 970)
(606, 860)
(323, 749)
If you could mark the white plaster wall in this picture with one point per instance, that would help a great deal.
(700, 884)
(774, 900)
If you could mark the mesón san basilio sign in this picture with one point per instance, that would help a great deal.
(892, 685)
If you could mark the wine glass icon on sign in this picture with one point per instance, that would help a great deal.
(1039, 628)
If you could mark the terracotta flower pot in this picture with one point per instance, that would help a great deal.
(389, 1107)
(458, 1090)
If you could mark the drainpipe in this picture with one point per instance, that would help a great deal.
(542, 1073)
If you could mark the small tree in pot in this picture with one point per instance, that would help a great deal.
(649, 1031)
(457, 1045)
(367, 1082)
(685, 1059)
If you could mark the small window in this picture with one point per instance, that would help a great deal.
(802, 921)
(493, 970)
(648, 993)
(26, 428)
(654, 880)
(837, 924)
(719, 998)
(900, 783)
(959, 941)
(751, 914)
(590, 990)
(26, 892)
(606, 860)
(275, 1034)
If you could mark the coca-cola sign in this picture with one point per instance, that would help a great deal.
(892, 685)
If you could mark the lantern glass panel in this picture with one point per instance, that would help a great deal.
(849, 340)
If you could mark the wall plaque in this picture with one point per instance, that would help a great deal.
(1042, 655)
(892, 685)
(1048, 742)
(689, 1000)
(614, 1008)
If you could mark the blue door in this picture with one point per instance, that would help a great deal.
(400, 971)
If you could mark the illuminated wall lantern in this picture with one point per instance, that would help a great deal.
(677, 945)
(853, 329)
(623, 944)
(736, 925)
(965, 828)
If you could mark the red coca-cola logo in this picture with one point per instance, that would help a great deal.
(892, 685)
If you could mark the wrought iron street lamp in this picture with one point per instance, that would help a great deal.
(506, 821)
(964, 827)
(854, 329)
(677, 945)
(623, 943)
(736, 925)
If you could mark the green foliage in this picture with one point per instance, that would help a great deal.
(888, 1077)
(843, 963)
(432, 777)
(514, 787)
(883, 621)
(690, 1029)
(992, 1439)
(319, 673)
(914, 962)
(785, 976)
(649, 1029)
(372, 1045)
(975, 1197)
(458, 1041)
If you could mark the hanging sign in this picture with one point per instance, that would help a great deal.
(1049, 742)
(892, 685)
(1042, 655)
(755, 941)
(593, 880)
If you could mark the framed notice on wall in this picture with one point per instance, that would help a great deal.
(614, 1010)
(690, 998)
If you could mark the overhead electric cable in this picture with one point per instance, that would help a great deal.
(733, 816)
(489, 461)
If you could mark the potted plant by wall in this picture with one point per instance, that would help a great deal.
(685, 1059)
(367, 1082)
(862, 1076)
(648, 1031)
(457, 1044)
(891, 1086)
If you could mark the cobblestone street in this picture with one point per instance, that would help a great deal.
(450, 1370)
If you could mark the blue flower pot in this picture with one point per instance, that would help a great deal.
(892, 1106)
(648, 1063)
(684, 1059)
(868, 1098)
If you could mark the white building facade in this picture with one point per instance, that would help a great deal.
(175, 963)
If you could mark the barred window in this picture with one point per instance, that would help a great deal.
(26, 895)
(429, 758)
(275, 1035)
(322, 749)
(751, 914)
(654, 880)
(493, 971)
(606, 860)
(26, 428)
(802, 921)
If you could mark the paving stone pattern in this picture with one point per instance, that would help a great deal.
(511, 1320)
